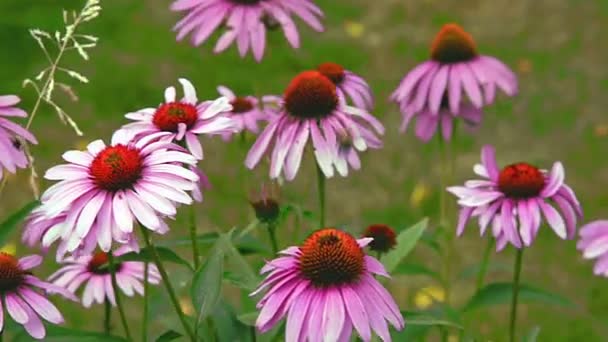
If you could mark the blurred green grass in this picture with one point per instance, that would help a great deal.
(555, 46)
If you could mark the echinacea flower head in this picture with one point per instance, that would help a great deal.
(350, 84)
(244, 22)
(594, 245)
(312, 107)
(182, 120)
(326, 288)
(93, 273)
(12, 136)
(384, 237)
(265, 203)
(20, 295)
(245, 114)
(514, 200)
(434, 91)
(106, 189)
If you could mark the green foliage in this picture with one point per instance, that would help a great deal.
(532, 335)
(168, 336)
(406, 241)
(207, 283)
(12, 222)
(145, 254)
(62, 334)
(416, 269)
(501, 293)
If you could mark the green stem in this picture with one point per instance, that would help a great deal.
(516, 276)
(253, 336)
(107, 314)
(167, 283)
(273, 237)
(321, 186)
(144, 327)
(483, 268)
(443, 217)
(195, 252)
(211, 328)
(121, 310)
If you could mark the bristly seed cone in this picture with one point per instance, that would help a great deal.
(241, 105)
(333, 71)
(11, 274)
(169, 115)
(99, 264)
(331, 257)
(310, 95)
(521, 180)
(384, 237)
(452, 45)
(116, 168)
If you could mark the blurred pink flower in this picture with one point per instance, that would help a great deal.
(105, 189)
(594, 245)
(512, 200)
(19, 295)
(13, 156)
(312, 107)
(93, 273)
(433, 91)
(182, 119)
(246, 112)
(246, 21)
(326, 288)
(350, 84)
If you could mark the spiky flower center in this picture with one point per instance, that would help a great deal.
(169, 115)
(310, 95)
(11, 275)
(99, 264)
(452, 45)
(266, 210)
(384, 237)
(331, 257)
(333, 71)
(521, 180)
(241, 105)
(116, 168)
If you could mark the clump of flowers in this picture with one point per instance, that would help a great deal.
(313, 108)
(12, 136)
(245, 114)
(326, 289)
(512, 200)
(244, 22)
(434, 91)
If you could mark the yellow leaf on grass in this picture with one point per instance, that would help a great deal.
(426, 296)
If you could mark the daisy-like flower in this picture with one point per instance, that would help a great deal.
(245, 21)
(182, 119)
(245, 113)
(514, 198)
(37, 224)
(350, 84)
(20, 295)
(312, 107)
(384, 237)
(93, 272)
(594, 245)
(434, 90)
(325, 288)
(11, 135)
(105, 189)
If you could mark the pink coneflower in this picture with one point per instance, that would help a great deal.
(11, 146)
(94, 271)
(20, 295)
(245, 113)
(312, 107)
(105, 189)
(246, 21)
(37, 224)
(594, 244)
(512, 200)
(350, 84)
(182, 119)
(325, 288)
(433, 91)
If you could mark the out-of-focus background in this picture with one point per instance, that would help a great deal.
(557, 48)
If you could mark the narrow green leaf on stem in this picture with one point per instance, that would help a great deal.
(168, 336)
(206, 286)
(271, 227)
(483, 268)
(12, 222)
(406, 241)
(146, 255)
(192, 224)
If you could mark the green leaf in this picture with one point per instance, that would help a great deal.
(406, 241)
(207, 283)
(532, 335)
(227, 326)
(9, 225)
(242, 270)
(248, 245)
(501, 293)
(248, 318)
(169, 335)
(203, 239)
(145, 254)
(431, 318)
(416, 269)
(473, 270)
(432, 321)
(61, 334)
